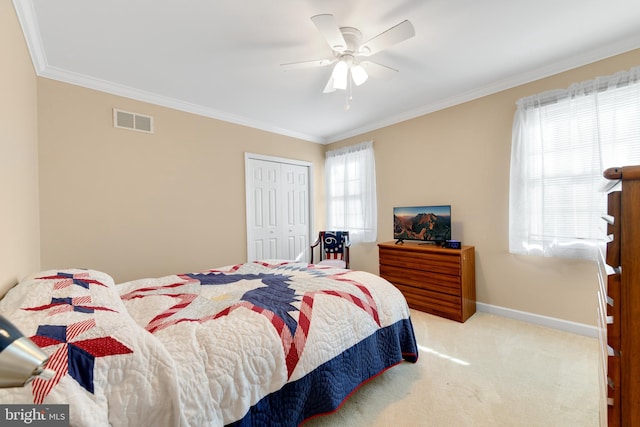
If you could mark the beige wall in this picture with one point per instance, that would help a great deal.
(137, 205)
(460, 156)
(19, 220)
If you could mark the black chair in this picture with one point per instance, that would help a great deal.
(333, 247)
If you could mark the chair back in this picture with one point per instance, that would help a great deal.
(334, 247)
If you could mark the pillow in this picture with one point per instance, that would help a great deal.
(109, 370)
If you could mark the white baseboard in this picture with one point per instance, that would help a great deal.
(536, 319)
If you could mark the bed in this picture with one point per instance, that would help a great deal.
(269, 343)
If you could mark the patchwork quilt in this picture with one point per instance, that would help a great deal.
(265, 343)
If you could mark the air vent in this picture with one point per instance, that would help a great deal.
(127, 120)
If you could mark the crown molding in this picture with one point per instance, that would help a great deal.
(27, 19)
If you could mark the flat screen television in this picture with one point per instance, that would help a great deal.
(423, 223)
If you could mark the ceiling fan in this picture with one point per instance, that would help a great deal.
(349, 50)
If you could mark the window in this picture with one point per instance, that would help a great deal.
(351, 191)
(562, 142)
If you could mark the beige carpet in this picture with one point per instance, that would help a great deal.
(488, 371)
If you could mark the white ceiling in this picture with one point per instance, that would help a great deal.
(222, 59)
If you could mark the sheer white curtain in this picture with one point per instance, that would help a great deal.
(351, 191)
(562, 142)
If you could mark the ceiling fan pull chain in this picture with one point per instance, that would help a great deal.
(347, 105)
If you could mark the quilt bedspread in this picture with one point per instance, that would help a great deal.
(263, 343)
(107, 369)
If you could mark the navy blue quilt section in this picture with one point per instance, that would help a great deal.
(324, 389)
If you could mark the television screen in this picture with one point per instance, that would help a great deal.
(424, 223)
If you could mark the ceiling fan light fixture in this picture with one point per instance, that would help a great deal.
(359, 74)
(329, 87)
(340, 75)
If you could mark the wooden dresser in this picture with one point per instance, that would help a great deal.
(619, 301)
(433, 279)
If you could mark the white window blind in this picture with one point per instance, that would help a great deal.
(562, 142)
(351, 191)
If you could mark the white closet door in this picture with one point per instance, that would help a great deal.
(278, 209)
(265, 210)
(295, 211)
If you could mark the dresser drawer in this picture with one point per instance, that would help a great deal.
(444, 305)
(613, 389)
(436, 262)
(614, 206)
(613, 253)
(421, 279)
(613, 311)
(613, 228)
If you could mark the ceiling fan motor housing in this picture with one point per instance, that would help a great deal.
(353, 39)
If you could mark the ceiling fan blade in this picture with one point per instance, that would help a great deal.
(306, 64)
(393, 35)
(329, 29)
(378, 71)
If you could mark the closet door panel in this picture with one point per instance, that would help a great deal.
(278, 210)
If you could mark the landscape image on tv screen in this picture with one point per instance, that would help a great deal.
(426, 223)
